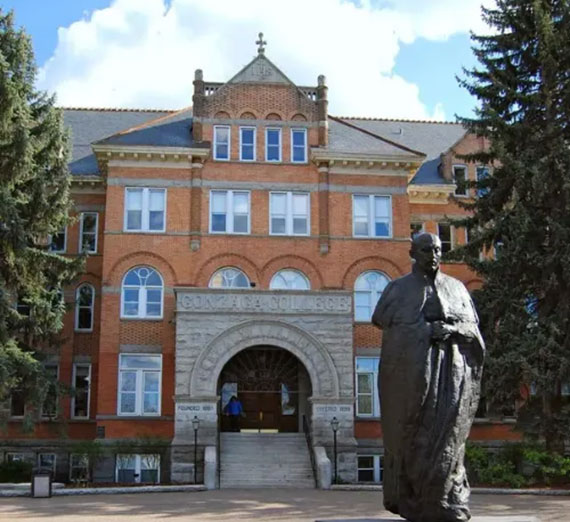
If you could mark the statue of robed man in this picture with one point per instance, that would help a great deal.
(432, 359)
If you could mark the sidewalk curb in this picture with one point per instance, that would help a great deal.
(107, 491)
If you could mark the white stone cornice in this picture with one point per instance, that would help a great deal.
(432, 194)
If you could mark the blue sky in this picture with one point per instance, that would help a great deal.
(395, 59)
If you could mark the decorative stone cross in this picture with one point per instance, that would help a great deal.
(261, 43)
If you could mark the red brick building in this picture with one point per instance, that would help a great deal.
(239, 247)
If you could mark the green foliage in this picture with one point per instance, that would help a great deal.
(34, 203)
(15, 471)
(516, 465)
(523, 88)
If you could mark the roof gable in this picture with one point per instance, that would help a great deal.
(261, 70)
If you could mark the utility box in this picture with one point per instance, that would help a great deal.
(41, 483)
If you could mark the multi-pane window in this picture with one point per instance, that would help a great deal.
(15, 457)
(221, 142)
(84, 300)
(78, 467)
(47, 461)
(289, 280)
(299, 145)
(272, 144)
(138, 468)
(416, 229)
(370, 468)
(58, 242)
(289, 213)
(229, 211)
(229, 278)
(139, 384)
(17, 403)
(372, 216)
(247, 143)
(49, 406)
(444, 233)
(482, 175)
(367, 290)
(88, 232)
(460, 178)
(145, 210)
(81, 390)
(142, 294)
(367, 398)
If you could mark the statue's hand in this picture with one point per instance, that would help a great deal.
(442, 331)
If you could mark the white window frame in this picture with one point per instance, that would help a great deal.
(304, 131)
(228, 127)
(230, 211)
(481, 192)
(371, 218)
(83, 457)
(292, 270)
(14, 456)
(289, 213)
(81, 231)
(138, 468)
(74, 375)
(373, 293)
(378, 469)
(53, 466)
(280, 132)
(78, 307)
(465, 187)
(142, 298)
(139, 391)
(374, 394)
(232, 287)
(451, 234)
(254, 129)
(145, 211)
(46, 415)
(64, 242)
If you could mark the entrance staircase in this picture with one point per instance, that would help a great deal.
(265, 460)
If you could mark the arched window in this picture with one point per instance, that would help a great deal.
(141, 294)
(229, 278)
(367, 290)
(289, 280)
(84, 300)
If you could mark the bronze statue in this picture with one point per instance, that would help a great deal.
(430, 376)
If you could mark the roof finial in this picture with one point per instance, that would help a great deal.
(261, 44)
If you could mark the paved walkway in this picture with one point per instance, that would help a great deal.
(267, 505)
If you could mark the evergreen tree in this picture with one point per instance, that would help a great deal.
(523, 209)
(34, 204)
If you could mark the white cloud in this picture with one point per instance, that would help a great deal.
(143, 53)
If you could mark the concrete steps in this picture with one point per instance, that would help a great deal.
(249, 460)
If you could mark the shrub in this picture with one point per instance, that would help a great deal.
(15, 471)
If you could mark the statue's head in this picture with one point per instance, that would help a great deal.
(426, 252)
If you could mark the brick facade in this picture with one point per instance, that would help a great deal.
(187, 254)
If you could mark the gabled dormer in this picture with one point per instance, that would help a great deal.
(262, 98)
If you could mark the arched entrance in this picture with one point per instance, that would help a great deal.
(273, 386)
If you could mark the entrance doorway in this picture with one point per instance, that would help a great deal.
(273, 387)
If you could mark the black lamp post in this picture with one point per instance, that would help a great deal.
(195, 425)
(334, 426)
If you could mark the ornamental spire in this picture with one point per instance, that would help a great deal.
(261, 43)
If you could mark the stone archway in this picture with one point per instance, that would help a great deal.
(313, 355)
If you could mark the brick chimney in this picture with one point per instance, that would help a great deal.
(322, 110)
(198, 101)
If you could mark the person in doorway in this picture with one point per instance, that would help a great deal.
(235, 410)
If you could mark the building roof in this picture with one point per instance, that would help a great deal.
(430, 137)
(90, 125)
(173, 129)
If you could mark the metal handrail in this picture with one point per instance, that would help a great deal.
(309, 439)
